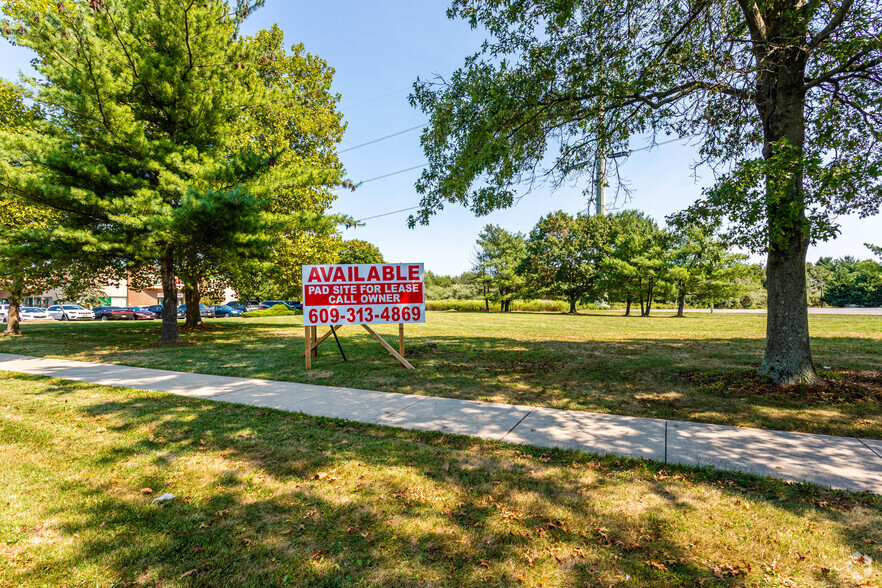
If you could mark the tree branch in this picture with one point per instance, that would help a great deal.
(835, 22)
(755, 21)
(847, 68)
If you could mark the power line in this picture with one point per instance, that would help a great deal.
(387, 213)
(645, 148)
(419, 126)
(401, 171)
(375, 98)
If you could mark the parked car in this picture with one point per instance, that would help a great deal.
(270, 303)
(32, 313)
(296, 304)
(156, 309)
(204, 311)
(244, 305)
(4, 312)
(70, 312)
(223, 310)
(141, 313)
(113, 313)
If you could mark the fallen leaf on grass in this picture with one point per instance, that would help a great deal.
(146, 490)
(860, 559)
(727, 570)
(185, 574)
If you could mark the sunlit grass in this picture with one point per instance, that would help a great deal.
(266, 498)
(696, 368)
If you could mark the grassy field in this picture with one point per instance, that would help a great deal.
(266, 498)
(698, 368)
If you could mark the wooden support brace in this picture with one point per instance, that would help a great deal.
(401, 338)
(308, 338)
(317, 342)
(389, 348)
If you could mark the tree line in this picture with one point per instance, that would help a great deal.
(159, 145)
(624, 258)
(627, 259)
(846, 281)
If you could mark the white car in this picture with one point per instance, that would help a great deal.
(70, 312)
(31, 313)
(4, 312)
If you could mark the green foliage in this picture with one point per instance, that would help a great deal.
(590, 76)
(462, 287)
(701, 265)
(637, 267)
(359, 251)
(304, 132)
(564, 255)
(538, 305)
(147, 156)
(499, 254)
(277, 310)
(851, 282)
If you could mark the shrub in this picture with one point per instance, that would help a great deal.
(277, 310)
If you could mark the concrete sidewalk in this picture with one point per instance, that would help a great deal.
(840, 462)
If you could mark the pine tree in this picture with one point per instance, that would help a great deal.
(141, 151)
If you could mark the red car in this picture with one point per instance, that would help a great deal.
(141, 314)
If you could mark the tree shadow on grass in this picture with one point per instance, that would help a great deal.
(272, 498)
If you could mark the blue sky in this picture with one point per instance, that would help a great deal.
(378, 50)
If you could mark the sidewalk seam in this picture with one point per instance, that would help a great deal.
(666, 442)
(387, 415)
(516, 424)
(861, 441)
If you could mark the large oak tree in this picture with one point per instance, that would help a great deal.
(785, 95)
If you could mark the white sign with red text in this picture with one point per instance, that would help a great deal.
(364, 293)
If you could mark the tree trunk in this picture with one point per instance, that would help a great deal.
(681, 302)
(192, 299)
(13, 320)
(170, 299)
(572, 304)
(642, 306)
(781, 105)
(788, 357)
(649, 298)
(627, 307)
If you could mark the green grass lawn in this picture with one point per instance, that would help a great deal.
(698, 368)
(267, 498)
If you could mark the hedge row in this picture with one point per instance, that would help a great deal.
(277, 310)
(516, 305)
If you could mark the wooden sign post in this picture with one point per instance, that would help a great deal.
(361, 294)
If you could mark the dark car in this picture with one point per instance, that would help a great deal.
(204, 311)
(270, 303)
(112, 313)
(225, 310)
(156, 309)
(244, 305)
(295, 304)
(141, 314)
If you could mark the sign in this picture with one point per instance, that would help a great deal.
(353, 294)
